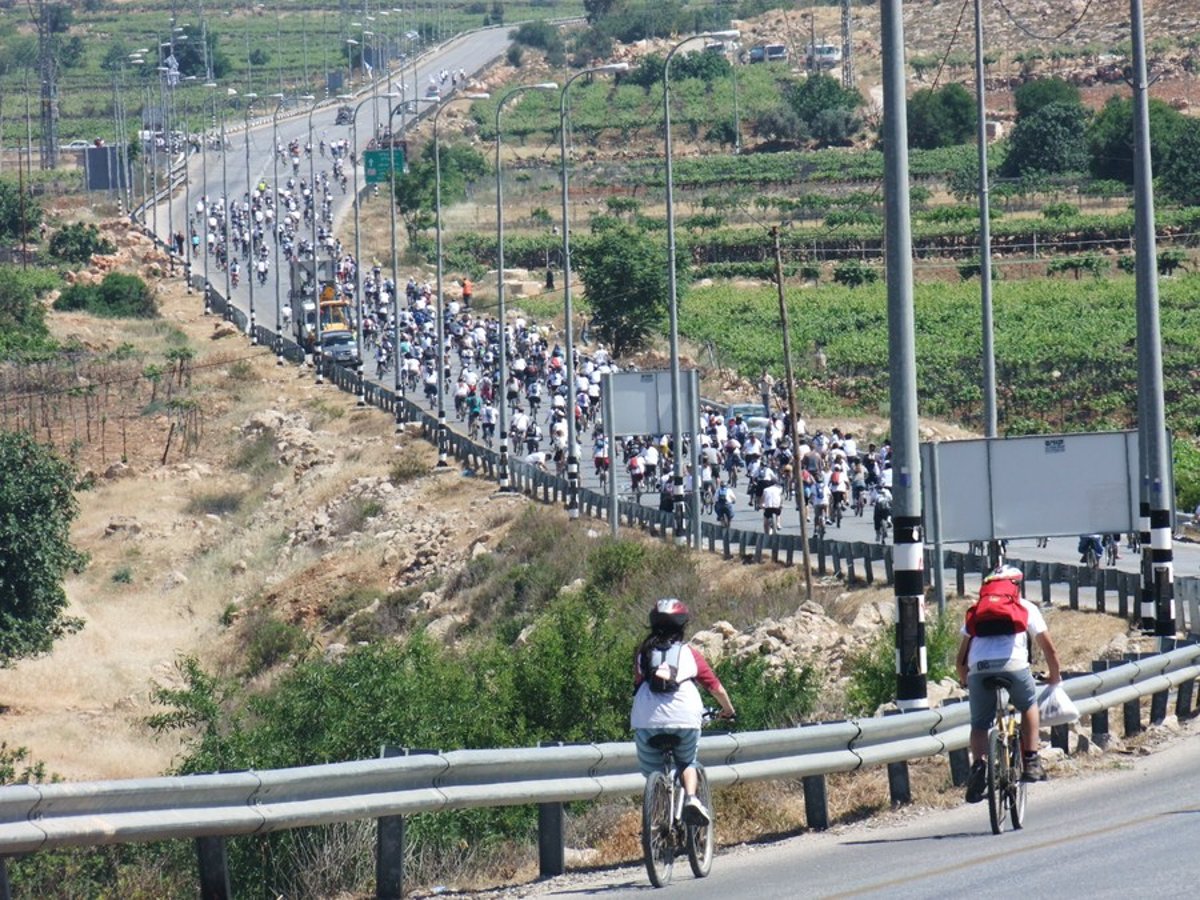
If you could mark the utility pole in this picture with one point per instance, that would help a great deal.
(847, 44)
(793, 413)
(1155, 502)
(48, 76)
(908, 549)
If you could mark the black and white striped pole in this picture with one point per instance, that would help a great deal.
(1157, 596)
(908, 551)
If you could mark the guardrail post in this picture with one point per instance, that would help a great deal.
(889, 565)
(552, 833)
(1073, 587)
(898, 785)
(552, 836)
(4, 891)
(816, 806)
(960, 766)
(821, 570)
(1044, 576)
(1183, 699)
(214, 868)
(1132, 713)
(1101, 584)
(1123, 596)
(1158, 707)
(1060, 737)
(1100, 735)
(960, 574)
(389, 847)
(868, 568)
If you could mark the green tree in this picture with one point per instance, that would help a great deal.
(1110, 137)
(1033, 95)
(1051, 140)
(626, 284)
(37, 506)
(11, 210)
(941, 118)
(416, 191)
(77, 242)
(828, 110)
(1179, 176)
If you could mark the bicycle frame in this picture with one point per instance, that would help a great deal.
(1006, 792)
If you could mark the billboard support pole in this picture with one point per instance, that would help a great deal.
(935, 511)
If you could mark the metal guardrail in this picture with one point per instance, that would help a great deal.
(48, 816)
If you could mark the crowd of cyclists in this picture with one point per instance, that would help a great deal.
(837, 475)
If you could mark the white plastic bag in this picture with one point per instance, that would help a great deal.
(1055, 707)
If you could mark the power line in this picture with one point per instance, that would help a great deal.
(1045, 37)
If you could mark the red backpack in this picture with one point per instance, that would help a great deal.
(998, 611)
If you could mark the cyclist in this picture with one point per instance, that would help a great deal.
(723, 506)
(666, 700)
(995, 644)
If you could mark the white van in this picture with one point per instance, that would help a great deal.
(824, 56)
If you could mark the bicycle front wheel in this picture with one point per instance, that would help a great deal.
(997, 781)
(1016, 788)
(657, 844)
(700, 838)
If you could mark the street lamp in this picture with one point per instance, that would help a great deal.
(252, 323)
(441, 319)
(187, 197)
(358, 263)
(211, 85)
(275, 205)
(316, 281)
(672, 295)
(229, 92)
(543, 86)
(572, 435)
(398, 383)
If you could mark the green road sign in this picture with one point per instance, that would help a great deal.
(378, 167)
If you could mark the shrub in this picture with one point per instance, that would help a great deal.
(123, 575)
(77, 243)
(219, 503)
(1060, 210)
(270, 643)
(873, 670)
(408, 466)
(117, 296)
(854, 273)
(514, 55)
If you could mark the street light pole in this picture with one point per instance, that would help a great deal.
(441, 318)
(316, 281)
(500, 312)
(229, 92)
(275, 205)
(211, 85)
(572, 435)
(672, 291)
(252, 323)
(358, 263)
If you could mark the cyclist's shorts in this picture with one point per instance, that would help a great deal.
(1021, 690)
(651, 760)
(772, 510)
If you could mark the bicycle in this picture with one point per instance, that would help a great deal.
(664, 831)
(1112, 546)
(835, 510)
(818, 524)
(1006, 792)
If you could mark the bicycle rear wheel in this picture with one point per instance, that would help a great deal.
(657, 843)
(997, 781)
(700, 838)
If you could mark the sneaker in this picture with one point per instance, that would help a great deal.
(694, 812)
(977, 781)
(1032, 769)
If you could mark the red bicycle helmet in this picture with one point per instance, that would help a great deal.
(669, 614)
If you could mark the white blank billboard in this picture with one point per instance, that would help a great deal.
(1042, 485)
(642, 402)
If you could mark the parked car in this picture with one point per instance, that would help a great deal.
(340, 346)
(755, 415)
(824, 56)
(75, 145)
(769, 53)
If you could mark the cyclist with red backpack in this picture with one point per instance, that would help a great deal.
(667, 701)
(995, 645)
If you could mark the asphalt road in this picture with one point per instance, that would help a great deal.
(1116, 834)
(471, 53)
